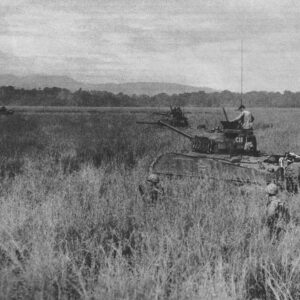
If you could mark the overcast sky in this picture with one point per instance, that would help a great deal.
(194, 42)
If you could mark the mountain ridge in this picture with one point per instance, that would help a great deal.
(129, 88)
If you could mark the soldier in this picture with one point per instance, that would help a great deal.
(277, 214)
(290, 164)
(292, 175)
(245, 118)
(152, 191)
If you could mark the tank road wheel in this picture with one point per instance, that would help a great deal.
(213, 147)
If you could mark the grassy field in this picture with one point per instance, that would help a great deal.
(73, 225)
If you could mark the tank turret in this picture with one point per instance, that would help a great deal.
(174, 117)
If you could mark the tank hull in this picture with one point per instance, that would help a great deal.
(245, 169)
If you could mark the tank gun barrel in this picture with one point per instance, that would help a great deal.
(147, 122)
(168, 126)
(176, 130)
(160, 113)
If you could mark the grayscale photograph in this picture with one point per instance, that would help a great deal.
(150, 149)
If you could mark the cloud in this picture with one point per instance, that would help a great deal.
(195, 42)
(15, 65)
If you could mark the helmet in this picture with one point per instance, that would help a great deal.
(272, 189)
(153, 178)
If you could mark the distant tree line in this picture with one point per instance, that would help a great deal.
(10, 95)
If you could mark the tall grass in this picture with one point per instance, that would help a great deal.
(73, 225)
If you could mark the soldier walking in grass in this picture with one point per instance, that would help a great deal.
(292, 175)
(277, 213)
(152, 191)
(290, 165)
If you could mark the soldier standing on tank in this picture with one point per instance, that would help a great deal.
(245, 118)
(152, 191)
(277, 213)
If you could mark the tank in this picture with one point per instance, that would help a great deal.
(227, 153)
(5, 111)
(174, 117)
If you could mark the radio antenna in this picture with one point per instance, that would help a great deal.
(242, 62)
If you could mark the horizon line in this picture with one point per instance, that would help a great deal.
(217, 90)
